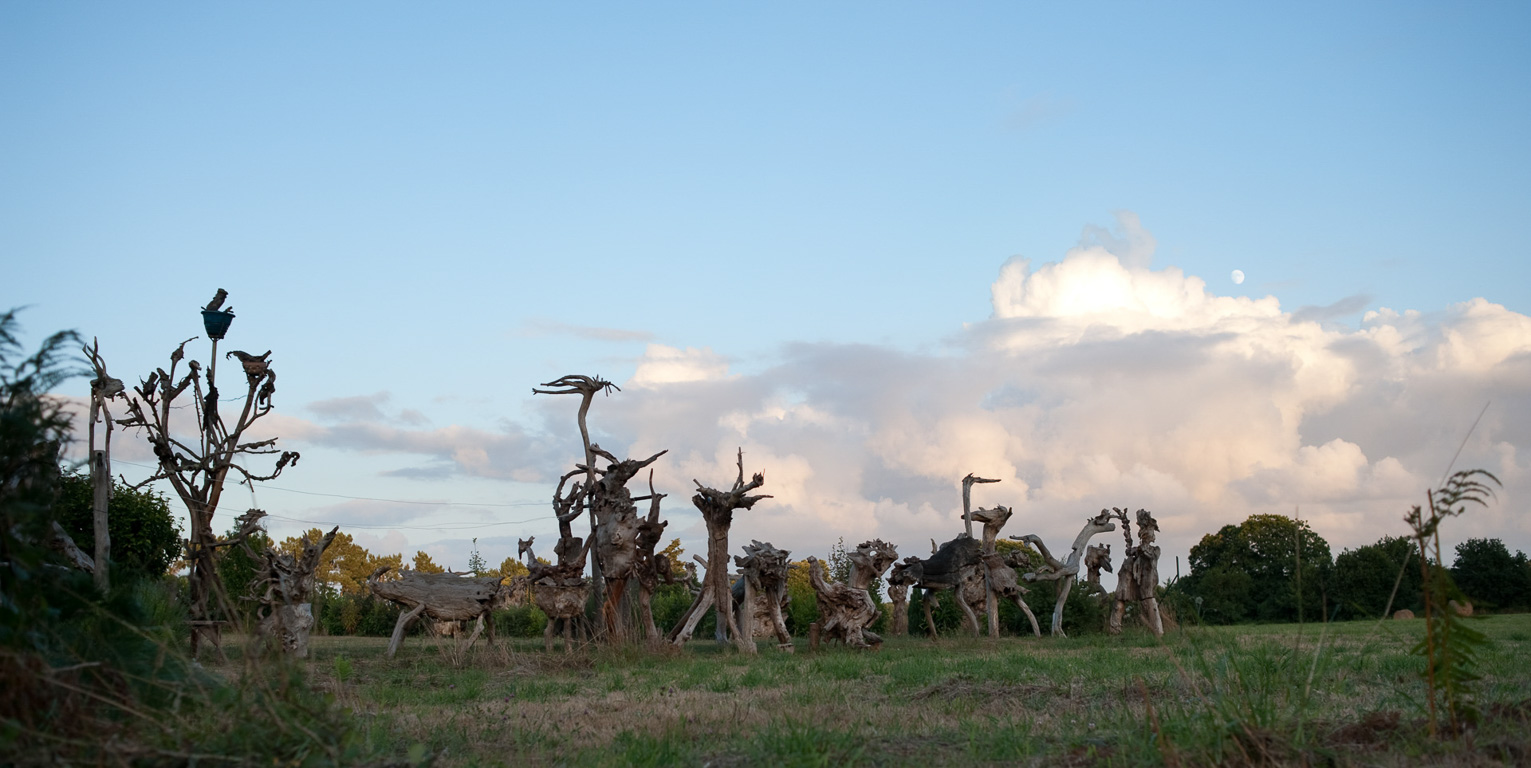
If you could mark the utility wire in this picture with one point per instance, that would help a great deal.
(372, 498)
(445, 527)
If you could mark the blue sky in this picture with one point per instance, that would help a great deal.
(424, 211)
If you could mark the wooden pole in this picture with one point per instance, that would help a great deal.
(101, 479)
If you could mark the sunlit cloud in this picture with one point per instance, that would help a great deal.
(1101, 381)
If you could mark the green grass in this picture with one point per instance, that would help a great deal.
(1227, 695)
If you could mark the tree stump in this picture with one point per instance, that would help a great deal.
(286, 616)
(760, 593)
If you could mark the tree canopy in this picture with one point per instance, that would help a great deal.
(145, 538)
(1364, 578)
(1490, 576)
(1250, 571)
(424, 564)
(345, 563)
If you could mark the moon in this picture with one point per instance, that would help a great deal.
(1238, 276)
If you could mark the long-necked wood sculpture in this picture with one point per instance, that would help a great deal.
(717, 508)
(956, 566)
(947, 569)
(615, 526)
(999, 579)
(1066, 572)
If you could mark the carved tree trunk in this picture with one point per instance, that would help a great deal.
(287, 613)
(717, 508)
(761, 592)
(899, 594)
(1004, 585)
(844, 612)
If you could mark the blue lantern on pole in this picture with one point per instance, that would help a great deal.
(216, 319)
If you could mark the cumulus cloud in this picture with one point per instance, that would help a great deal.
(1102, 381)
(668, 365)
(1099, 380)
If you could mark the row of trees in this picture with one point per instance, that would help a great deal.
(1274, 568)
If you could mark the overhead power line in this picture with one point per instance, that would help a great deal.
(442, 527)
(265, 486)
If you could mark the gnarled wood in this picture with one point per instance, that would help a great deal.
(846, 611)
(285, 616)
(760, 594)
(439, 596)
(898, 594)
(1138, 578)
(1097, 558)
(102, 389)
(717, 508)
(952, 565)
(1066, 572)
(198, 467)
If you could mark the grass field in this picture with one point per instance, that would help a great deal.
(1348, 694)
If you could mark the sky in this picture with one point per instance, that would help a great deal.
(875, 246)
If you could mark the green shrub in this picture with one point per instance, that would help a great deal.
(520, 621)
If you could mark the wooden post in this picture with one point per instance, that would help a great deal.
(102, 388)
(813, 636)
(101, 478)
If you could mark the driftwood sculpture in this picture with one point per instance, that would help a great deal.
(717, 508)
(761, 593)
(898, 594)
(952, 566)
(956, 566)
(1066, 572)
(558, 590)
(617, 532)
(1097, 558)
(198, 466)
(285, 617)
(846, 611)
(439, 596)
(651, 568)
(103, 388)
(999, 581)
(1139, 576)
(586, 387)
